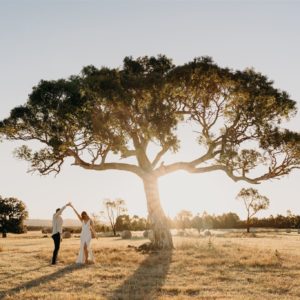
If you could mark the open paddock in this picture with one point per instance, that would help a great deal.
(227, 266)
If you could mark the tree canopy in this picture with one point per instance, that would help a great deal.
(12, 215)
(107, 118)
(113, 210)
(253, 201)
(120, 111)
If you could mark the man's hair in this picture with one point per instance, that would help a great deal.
(58, 209)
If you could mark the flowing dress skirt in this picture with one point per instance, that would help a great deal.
(85, 238)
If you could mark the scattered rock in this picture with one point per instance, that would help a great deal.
(66, 235)
(126, 234)
(207, 233)
(149, 234)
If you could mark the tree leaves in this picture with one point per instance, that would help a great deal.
(118, 112)
(253, 201)
(12, 214)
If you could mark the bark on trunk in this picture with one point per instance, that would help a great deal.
(248, 225)
(161, 232)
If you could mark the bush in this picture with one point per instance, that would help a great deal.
(72, 229)
(46, 230)
(34, 228)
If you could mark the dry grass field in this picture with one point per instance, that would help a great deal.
(232, 266)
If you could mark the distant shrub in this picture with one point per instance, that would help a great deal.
(46, 230)
(34, 228)
(72, 229)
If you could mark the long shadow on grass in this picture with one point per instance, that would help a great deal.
(147, 280)
(41, 280)
(22, 273)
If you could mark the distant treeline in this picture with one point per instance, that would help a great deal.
(232, 220)
(123, 222)
(186, 220)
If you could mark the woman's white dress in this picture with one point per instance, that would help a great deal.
(85, 238)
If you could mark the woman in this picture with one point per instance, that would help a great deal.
(85, 253)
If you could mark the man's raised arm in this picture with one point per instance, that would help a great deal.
(61, 210)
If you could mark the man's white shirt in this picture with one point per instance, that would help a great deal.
(57, 221)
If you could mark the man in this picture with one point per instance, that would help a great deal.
(57, 223)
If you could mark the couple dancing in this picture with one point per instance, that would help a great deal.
(87, 232)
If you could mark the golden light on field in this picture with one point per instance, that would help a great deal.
(262, 267)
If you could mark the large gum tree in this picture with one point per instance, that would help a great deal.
(108, 118)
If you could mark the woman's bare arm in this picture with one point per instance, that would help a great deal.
(93, 229)
(76, 212)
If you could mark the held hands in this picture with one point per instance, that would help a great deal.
(71, 205)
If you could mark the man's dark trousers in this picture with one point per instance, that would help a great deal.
(56, 239)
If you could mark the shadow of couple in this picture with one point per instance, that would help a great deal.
(39, 281)
(147, 279)
(144, 283)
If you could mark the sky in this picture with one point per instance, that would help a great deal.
(53, 39)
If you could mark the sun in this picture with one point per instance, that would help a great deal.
(211, 192)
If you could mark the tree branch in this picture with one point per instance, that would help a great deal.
(105, 166)
(159, 155)
(128, 153)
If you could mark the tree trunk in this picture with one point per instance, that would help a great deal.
(114, 230)
(159, 223)
(4, 233)
(248, 225)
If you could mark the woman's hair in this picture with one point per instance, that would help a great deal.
(84, 213)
